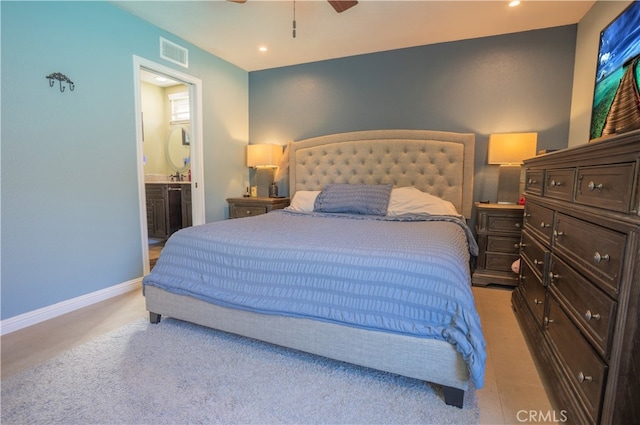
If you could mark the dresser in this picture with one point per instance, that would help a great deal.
(578, 296)
(248, 207)
(498, 228)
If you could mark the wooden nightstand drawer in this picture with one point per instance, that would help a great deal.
(240, 211)
(249, 207)
(606, 187)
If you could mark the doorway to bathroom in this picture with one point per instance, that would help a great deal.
(169, 153)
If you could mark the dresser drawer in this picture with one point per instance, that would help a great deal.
(533, 182)
(590, 308)
(539, 220)
(594, 250)
(607, 187)
(585, 371)
(532, 291)
(239, 211)
(559, 183)
(534, 253)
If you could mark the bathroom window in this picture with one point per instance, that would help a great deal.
(179, 107)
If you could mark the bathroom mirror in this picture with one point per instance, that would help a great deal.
(178, 148)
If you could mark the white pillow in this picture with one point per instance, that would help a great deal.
(303, 201)
(409, 200)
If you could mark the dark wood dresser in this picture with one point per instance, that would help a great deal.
(578, 298)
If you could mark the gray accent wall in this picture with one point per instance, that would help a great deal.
(512, 83)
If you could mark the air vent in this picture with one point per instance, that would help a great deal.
(174, 53)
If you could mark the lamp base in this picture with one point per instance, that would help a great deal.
(509, 184)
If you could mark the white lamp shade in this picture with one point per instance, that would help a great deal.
(511, 148)
(263, 155)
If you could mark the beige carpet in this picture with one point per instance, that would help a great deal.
(175, 373)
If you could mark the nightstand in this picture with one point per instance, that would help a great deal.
(248, 207)
(498, 228)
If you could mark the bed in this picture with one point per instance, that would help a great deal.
(388, 290)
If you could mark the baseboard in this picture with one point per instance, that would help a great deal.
(30, 318)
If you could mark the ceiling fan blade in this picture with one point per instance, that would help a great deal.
(341, 6)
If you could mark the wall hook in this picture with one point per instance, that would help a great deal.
(62, 78)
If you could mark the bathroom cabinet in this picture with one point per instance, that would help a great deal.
(168, 208)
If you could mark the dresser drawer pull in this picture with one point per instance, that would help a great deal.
(248, 212)
(555, 183)
(518, 225)
(547, 321)
(553, 276)
(519, 245)
(588, 316)
(545, 225)
(557, 233)
(584, 378)
(538, 302)
(527, 215)
(538, 262)
(593, 186)
(532, 181)
(597, 257)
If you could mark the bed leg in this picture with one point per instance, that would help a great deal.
(154, 317)
(453, 396)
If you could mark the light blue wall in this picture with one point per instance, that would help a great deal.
(513, 83)
(70, 215)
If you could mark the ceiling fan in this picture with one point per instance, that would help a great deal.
(339, 6)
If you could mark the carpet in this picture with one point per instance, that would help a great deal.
(179, 373)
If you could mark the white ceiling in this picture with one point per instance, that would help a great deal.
(234, 31)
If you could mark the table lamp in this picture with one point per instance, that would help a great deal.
(508, 150)
(264, 158)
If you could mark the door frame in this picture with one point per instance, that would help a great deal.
(196, 146)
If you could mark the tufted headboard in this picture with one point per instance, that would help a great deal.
(436, 162)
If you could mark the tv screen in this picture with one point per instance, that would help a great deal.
(616, 98)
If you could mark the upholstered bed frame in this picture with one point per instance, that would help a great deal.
(439, 163)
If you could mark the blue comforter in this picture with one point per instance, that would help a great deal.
(406, 275)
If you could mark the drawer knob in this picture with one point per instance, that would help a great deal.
(555, 183)
(538, 262)
(544, 225)
(527, 215)
(547, 321)
(557, 233)
(248, 212)
(584, 378)
(588, 316)
(593, 186)
(553, 276)
(518, 225)
(537, 301)
(597, 257)
(532, 181)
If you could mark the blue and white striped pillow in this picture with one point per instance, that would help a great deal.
(367, 199)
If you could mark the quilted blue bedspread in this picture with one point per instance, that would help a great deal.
(404, 275)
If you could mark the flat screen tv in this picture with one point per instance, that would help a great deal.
(616, 98)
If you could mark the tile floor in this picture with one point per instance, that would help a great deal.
(512, 383)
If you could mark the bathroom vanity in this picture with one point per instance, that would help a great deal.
(168, 207)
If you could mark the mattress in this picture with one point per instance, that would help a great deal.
(406, 275)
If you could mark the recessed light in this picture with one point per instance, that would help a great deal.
(263, 48)
(161, 79)
(514, 3)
